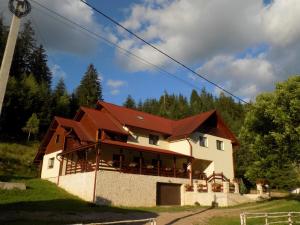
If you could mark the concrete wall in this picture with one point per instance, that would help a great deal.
(50, 174)
(129, 189)
(79, 184)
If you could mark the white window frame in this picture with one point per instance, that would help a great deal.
(51, 163)
(205, 141)
(222, 145)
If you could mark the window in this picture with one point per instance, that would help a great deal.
(153, 139)
(51, 163)
(203, 141)
(57, 139)
(220, 145)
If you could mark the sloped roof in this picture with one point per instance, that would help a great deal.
(139, 119)
(76, 126)
(188, 125)
(103, 120)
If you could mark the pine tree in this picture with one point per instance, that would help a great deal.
(130, 103)
(38, 66)
(61, 100)
(90, 89)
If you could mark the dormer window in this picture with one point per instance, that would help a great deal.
(57, 138)
(153, 139)
(203, 141)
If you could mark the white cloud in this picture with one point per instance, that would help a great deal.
(57, 72)
(57, 34)
(115, 86)
(244, 77)
(217, 35)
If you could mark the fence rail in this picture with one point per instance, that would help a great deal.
(152, 221)
(283, 218)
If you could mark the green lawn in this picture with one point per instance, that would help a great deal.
(286, 204)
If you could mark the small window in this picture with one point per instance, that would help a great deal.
(57, 139)
(220, 145)
(51, 163)
(203, 141)
(153, 139)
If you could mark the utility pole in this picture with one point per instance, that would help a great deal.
(19, 8)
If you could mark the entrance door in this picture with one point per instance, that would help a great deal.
(168, 194)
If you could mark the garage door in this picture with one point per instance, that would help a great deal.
(168, 194)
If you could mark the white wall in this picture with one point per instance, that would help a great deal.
(50, 173)
(79, 184)
(180, 146)
(142, 138)
(222, 159)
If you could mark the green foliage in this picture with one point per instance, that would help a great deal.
(242, 187)
(89, 90)
(271, 136)
(130, 103)
(61, 100)
(17, 159)
(32, 125)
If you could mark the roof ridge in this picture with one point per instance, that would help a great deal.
(135, 110)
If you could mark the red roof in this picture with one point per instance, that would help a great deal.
(141, 148)
(188, 125)
(130, 117)
(103, 120)
(77, 127)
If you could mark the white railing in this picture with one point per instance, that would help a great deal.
(282, 218)
(151, 221)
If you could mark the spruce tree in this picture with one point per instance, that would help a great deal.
(61, 100)
(90, 89)
(130, 103)
(38, 66)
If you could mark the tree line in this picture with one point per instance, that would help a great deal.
(30, 101)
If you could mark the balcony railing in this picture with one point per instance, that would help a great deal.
(80, 166)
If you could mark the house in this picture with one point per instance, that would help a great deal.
(120, 156)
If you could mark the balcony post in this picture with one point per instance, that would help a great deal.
(121, 159)
(141, 162)
(174, 165)
(158, 165)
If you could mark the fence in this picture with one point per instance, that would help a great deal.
(151, 221)
(281, 218)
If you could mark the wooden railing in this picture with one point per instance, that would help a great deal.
(134, 168)
(282, 218)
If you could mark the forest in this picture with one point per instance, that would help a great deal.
(268, 129)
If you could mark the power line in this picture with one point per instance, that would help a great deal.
(123, 50)
(161, 51)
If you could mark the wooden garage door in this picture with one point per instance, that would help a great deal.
(168, 194)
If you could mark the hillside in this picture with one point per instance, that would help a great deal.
(17, 160)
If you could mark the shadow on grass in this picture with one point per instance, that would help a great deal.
(14, 178)
(189, 215)
(66, 211)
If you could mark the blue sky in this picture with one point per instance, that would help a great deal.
(244, 46)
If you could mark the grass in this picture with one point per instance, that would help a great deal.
(286, 204)
(45, 197)
(17, 159)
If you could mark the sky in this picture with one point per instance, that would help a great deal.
(244, 46)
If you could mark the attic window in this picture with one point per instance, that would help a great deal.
(57, 139)
(153, 139)
(140, 117)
